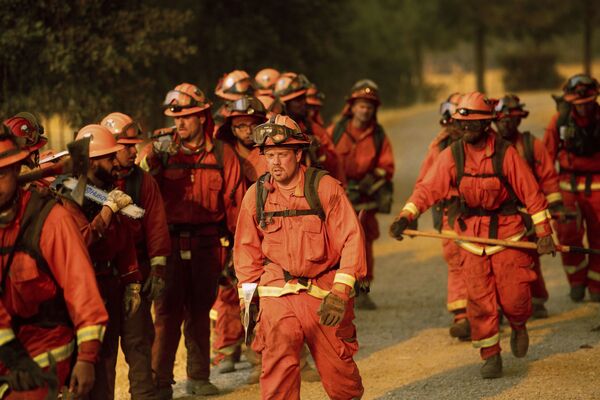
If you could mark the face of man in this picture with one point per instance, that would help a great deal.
(283, 163)
(296, 108)
(474, 130)
(585, 109)
(454, 129)
(363, 110)
(189, 127)
(508, 127)
(126, 157)
(103, 170)
(242, 129)
(8, 184)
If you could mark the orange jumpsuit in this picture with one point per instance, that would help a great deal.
(315, 254)
(574, 172)
(27, 286)
(202, 198)
(153, 244)
(457, 289)
(547, 178)
(356, 150)
(495, 276)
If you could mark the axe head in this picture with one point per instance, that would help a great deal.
(79, 150)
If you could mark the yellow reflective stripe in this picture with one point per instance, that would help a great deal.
(489, 342)
(540, 216)
(489, 250)
(593, 275)
(213, 314)
(292, 288)
(60, 354)
(90, 332)
(3, 390)
(144, 164)
(457, 305)
(346, 279)
(580, 186)
(571, 269)
(552, 197)
(411, 208)
(6, 335)
(158, 260)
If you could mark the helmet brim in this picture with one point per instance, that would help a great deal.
(185, 111)
(14, 158)
(293, 95)
(104, 152)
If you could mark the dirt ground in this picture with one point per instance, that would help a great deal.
(406, 352)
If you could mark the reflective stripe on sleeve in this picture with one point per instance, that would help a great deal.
(346, 279)
(90, 332)
(552, 197)
(6, 335)
(411, 208)
(540, 216)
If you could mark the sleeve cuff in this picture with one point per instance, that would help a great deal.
(158, 260)
(554, 197)
(540, 217)
(6, 335)
(411, 208)
(90, 332)
(346, 279)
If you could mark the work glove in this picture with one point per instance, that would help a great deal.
(132, 299)
(545, 245)
(332, 308)
(25, 374)
(400, 224)
(253, 311)
(166, 144)
(117, 200)
(154, 287)
(82, 379)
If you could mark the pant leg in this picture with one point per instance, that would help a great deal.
(482, 311)
(539, 293)
(279, 337)
(168, 315)
(332, 348)
(371, 229)
(63, 370)
(137, 335)
(205, 268)
(105, 368)
(457, 289)
(513, 272)
(575, 265)
(229, 332)
(590, 208)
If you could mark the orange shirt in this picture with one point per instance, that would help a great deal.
(326, 152)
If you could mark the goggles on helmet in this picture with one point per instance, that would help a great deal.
(506, 105)
(465, 111)
(447, 108)
(299, 82)
(579, 80)
(240, 87)
(246, 105)
(278, 134)
(179, 100)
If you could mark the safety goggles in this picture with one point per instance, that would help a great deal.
(277, 133)
(472, 125)
(179, 100)
(247, 105)
(299, 82)
(579, 80)
(447, 108)
(506, 106)
(466, 112)
(240, 87)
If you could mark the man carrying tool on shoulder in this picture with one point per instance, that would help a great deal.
(299, 239)
(492, 180)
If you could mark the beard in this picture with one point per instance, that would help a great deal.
(104, 176)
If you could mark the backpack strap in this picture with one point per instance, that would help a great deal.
(339, 129)
(261, 198)
(458, 153)
(312, 178)
(133, 184)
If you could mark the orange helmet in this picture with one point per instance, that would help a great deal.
(474, 106)
(244, 107)
(580, 88)
(102, 141)
(10, 152)
(185, 99)
(279, 130)
(314, 97)
(364, 89)
(510, 106)
(272, 105)
(27, 131)
(126, 130)
(264, 81)
(234, 85)
(290, 85)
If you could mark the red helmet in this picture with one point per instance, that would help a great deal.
(580, 88)
(185, 99)
(510, 106)
(102, 141)
(314, 97)
(10, 152)
(272, 105)
(234, 85)
(126, 130)
(280, 130)
(290, 85)
(264, 81)
(474, 106)
(27, 130)
(364, 89)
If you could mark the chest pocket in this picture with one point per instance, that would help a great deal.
(214, 184)
(313, 239)
(29, 287)
(490, 192)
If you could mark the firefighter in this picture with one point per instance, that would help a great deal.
(153, 245)
(231, 87)
(299, 239)
(368, 161)
(457, 290)
(573, 140)
(29, 134)
(199, 178)
(264, 81)
(50, 301)
(492, 180)
(291, 89)
(509, 113)
(314, 103)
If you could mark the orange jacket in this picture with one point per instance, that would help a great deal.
(326, 152)
(568, 161)
(488, 193)
(196, 195)
(433, 151)
(27, 286)
(151, 233)
(356, 149)
(304, 246)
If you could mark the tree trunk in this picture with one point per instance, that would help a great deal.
(479, 58)
(418, 70)
(588, 17)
